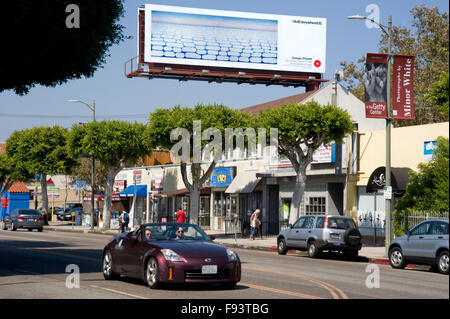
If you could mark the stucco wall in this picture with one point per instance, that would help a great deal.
(407, 145)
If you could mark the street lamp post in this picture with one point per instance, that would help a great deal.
(388, 199)
(92, 107)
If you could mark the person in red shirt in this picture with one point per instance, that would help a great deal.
(181, 216)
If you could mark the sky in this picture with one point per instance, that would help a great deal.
(120, 98)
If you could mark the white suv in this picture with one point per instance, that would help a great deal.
(317, 233)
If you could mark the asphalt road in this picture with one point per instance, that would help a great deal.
(35, 265)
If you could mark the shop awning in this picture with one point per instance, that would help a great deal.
(141, 191)
(204, 191)
(399, 179)
(243, 183)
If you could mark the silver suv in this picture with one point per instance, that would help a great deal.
(426, 243)
(316, 233)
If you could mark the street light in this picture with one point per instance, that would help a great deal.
(92, 107)
(388, 124)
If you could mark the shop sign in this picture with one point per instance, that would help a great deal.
(222, 176)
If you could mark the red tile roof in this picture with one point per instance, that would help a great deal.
(18, 187)
(298, 98)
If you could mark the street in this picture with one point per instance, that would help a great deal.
(40, 266)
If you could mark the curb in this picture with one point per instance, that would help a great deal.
(84, 231)
(372, 260)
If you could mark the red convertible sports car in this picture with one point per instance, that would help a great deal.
(170, 253)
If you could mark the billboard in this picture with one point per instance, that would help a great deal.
(375, 85)
(216, 38)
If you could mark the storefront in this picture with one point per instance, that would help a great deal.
(140, 191)
(223, 205)
(166, 204)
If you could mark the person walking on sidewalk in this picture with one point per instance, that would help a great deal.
(125, 221)
(255, 223)
(181, 216)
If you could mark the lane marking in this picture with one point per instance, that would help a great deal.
(329, 287)
(279, 291)
(45, 251)
(118, 292)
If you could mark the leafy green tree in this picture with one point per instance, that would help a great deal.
(50, 53)
(41, 150)
(438, 94)
(11, 172)
(428, 188)
(301, 130)
(428, 40)
(164, 122)
(115, 144)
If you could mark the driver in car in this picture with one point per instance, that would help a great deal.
(179, 233)
(148, 234)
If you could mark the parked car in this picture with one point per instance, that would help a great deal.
(67, 214)
(318, 233)
(426, 244)
(169, 256)
(24, 218)
(69, 206)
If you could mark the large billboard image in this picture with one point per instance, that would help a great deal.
(177, 35)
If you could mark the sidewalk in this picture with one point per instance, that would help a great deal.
(269, 243)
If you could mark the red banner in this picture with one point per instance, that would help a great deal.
(403, 87)
(375, 85)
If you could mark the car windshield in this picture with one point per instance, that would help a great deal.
(340, 223)
(29, 212)
(174, 232)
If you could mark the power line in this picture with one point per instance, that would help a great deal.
(52, 116)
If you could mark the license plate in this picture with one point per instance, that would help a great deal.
(209, 269)
(32, 220)
(334, 236)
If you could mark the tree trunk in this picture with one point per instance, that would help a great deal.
(194, 188)
(299, 190)
(194, 198)
(108, 197)
(44, 196)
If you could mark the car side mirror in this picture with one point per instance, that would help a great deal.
(290, 225)
(133, 237)
(408, 233)
(212, 237)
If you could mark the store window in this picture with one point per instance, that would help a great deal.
(315, 206)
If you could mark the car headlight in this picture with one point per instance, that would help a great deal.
(231, 255)
(170, 255)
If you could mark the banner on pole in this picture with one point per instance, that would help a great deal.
(375, 85)
(403, 87)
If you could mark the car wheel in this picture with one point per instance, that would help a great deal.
(107, 267)
(313, 251)
(12, 227)
(442, 262)
(4, 226)
(228, 285)
(396, 258)
(40, 230)
(152, 273)
(282, 248)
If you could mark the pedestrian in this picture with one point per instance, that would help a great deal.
(125, 221)
(181, 215)
(255, 223)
